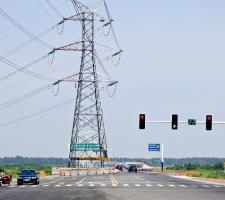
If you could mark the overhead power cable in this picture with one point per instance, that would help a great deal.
(19, 69)
(113, 32)
(32, 39)
(23, 97)
(25, 31)
(54, 8)
(36, 113)
(24, 70)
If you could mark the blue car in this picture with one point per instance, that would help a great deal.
(28, 176)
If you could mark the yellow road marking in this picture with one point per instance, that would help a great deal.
(113, 180)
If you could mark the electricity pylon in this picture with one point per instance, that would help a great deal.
(88, 140)
(88, 145)
(88, 125)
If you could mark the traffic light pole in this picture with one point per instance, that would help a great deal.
(181, 122)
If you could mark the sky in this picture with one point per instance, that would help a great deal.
(173, 62)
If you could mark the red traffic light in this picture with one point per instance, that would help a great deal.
(209, 117)
(208, 122)
(142, 116)
(141, 121)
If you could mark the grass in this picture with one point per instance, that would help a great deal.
(217, 174)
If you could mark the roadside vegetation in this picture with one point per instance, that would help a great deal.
(196, 170)
(14, 169)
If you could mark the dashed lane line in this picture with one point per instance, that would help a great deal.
(182, 185)
(45, 185)
(170, 185)
(159, 185)
(218, 186)
(194, 186)
(206, 186)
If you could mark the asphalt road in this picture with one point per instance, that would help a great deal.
(138, 186)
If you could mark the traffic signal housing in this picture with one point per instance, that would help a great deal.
(174, 124)
(141, 121)
(208, 122)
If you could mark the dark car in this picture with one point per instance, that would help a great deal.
(132, 168)
(28, 176)
(119, 167)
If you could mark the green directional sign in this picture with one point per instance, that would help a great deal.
(86, 147)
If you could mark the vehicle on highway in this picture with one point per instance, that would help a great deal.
(28, 176)
(5, 179)
(119, 167)
(132, 168)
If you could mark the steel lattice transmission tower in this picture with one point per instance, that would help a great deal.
(88, 139)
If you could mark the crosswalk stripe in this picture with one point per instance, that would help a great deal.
(23, 186)
(218, 186)
(206, 186)
(182, 185)
(45, 185)
(114, 185)
(34, 185)
(69, 185)
(125, 185)
(148, 185)
(91, 185)
(137, 185)
(172, 185)
(194, 186)
(159, 185)
(103, 185)
(80, 185)
(57, 185)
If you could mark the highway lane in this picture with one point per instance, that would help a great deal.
(115, 186)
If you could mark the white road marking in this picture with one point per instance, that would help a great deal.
(171, 185)
(194, 186)
(125, 185)
(103, 185)
(159, 185)
(218, 186)
(34, 185)
(45, 185)
(23, 186)
(55, 180)
(80, 185)
(114, 185)
(182, 185)
(148, 185)
(81, 181)
(91, 185)
(69, 185)
(57, 185)
(137, 185)
(206, 186)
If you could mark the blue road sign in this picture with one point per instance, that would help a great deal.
(153, 147)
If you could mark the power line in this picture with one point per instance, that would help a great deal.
(54, 8)
(25, 31)
(24, 70)
(29, 41)
(36, 113)
(33, 93)
(113, 32)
